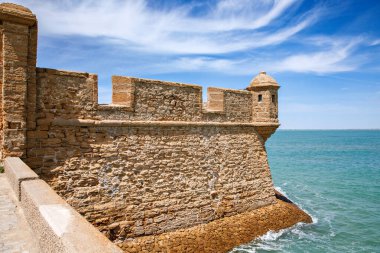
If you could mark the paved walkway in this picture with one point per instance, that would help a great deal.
(15, 234)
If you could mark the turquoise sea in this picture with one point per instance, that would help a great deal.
(335, 177)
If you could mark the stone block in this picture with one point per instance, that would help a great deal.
(37, 134)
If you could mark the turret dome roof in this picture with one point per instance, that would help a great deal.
(262, 79)
(15, 7)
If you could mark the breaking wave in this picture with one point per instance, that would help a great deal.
(274, 241)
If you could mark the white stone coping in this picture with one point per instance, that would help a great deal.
(58, 226)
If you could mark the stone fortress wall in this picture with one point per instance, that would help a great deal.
(156, 165)
(154, 161)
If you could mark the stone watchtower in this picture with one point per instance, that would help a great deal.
(264, 89)
(265, 103)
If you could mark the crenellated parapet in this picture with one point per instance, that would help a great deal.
(70, 95)
(74, 95)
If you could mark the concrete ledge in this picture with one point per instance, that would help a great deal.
(17, 171)
(57, 225)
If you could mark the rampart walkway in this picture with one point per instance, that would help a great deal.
(15, 234)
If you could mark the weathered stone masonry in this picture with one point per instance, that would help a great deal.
(154, 161)
(154, 167)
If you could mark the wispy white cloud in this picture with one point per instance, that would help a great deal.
(375, 42)
(226, 36)
(199, 64)
(332, 56)
(229, 26)
(330, 60)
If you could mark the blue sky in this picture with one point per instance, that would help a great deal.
(324, 54)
